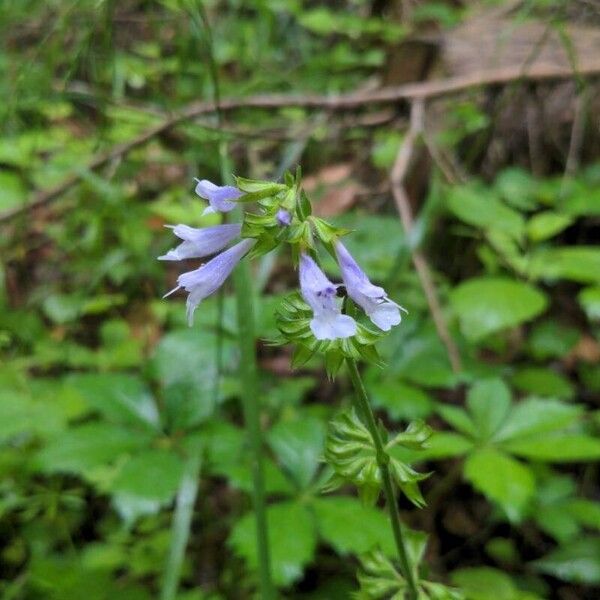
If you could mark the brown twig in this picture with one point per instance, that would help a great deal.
(412, 91)
(397, 179)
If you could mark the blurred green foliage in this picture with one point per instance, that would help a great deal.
(106, 395)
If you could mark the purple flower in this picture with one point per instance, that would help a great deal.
(201, 242)
(382, 311)
(328, 323)
(206, 280)
(284, 217)
(219, 197)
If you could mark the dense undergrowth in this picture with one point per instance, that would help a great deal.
(107, 398)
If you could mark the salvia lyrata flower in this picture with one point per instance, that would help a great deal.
(373, 299)
(206, 280)
(220, 197)
(328, 322)
(198, 243)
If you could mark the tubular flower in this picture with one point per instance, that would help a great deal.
(198, 243)
(220, 197)
(206, 280)
(284, 217)
(373, 299)
(328, 323)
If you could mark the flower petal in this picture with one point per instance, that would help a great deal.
(198, 243)
(219, 197)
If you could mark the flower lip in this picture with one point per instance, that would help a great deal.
(328, 322)
(383, 312)
(220, 197)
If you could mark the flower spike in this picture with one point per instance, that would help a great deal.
(328, 323)
(373, 299)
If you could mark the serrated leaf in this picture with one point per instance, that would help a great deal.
(489, 403)
(502, 479)
(333, 515)
(298, 445)
(292, 540)
(567, 447)
(489, 304)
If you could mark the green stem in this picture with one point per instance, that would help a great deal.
(366, 413)
(250, 400)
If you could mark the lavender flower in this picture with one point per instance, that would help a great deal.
(219, 196)
(382, 311)
(201, 242)
(206, 280)
(284, 217)
(328, 323)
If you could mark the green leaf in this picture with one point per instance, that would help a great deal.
(577, 562)
(399, 400)
(502, 479)
(589, 298)
(13, 190)
(543, 382)
(551, 339)
(292, 540)
(489, 304)
(373, 528)
(488, 402)
(547, 224)
(586, 512)
(567, 447)
(458, 418)
(151, 475)
(575, 263)
(120, 398)
(517, 187)
(299, 445)
(478, 206)
(478, 582)
(81, 449)
(535, 416)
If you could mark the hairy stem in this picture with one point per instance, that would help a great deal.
(250, 400)
(365, 411)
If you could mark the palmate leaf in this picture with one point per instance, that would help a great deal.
(293, 321)
(351, 453)
(380, 580)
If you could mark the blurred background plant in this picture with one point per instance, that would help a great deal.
(463, 135)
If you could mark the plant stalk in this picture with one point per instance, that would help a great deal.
(250, 401)
(366, 413)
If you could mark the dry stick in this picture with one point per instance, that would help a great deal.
(397, 178)
(412, 91)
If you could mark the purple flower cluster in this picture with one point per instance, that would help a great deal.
(328, 322)
(199, 243)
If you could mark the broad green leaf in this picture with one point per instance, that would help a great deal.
(488, 402)
(589, 298)
(119, 397)
(517, 187)
(373, 527)
(299, 445)
(458, 418)
(477, 583)
(543, 382)
(575, 263)
(478, 206)
(13, 191)
(185, 364)
(586, 512)
(152, 474)
(577, 562)
(239, 475)
(536, 416)
(442, 444)
(502, 479)
(551, 339)
(399, 400)
(547, 224)
(81, 449)
(567, 447)
(489, 304)
(292, 540)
